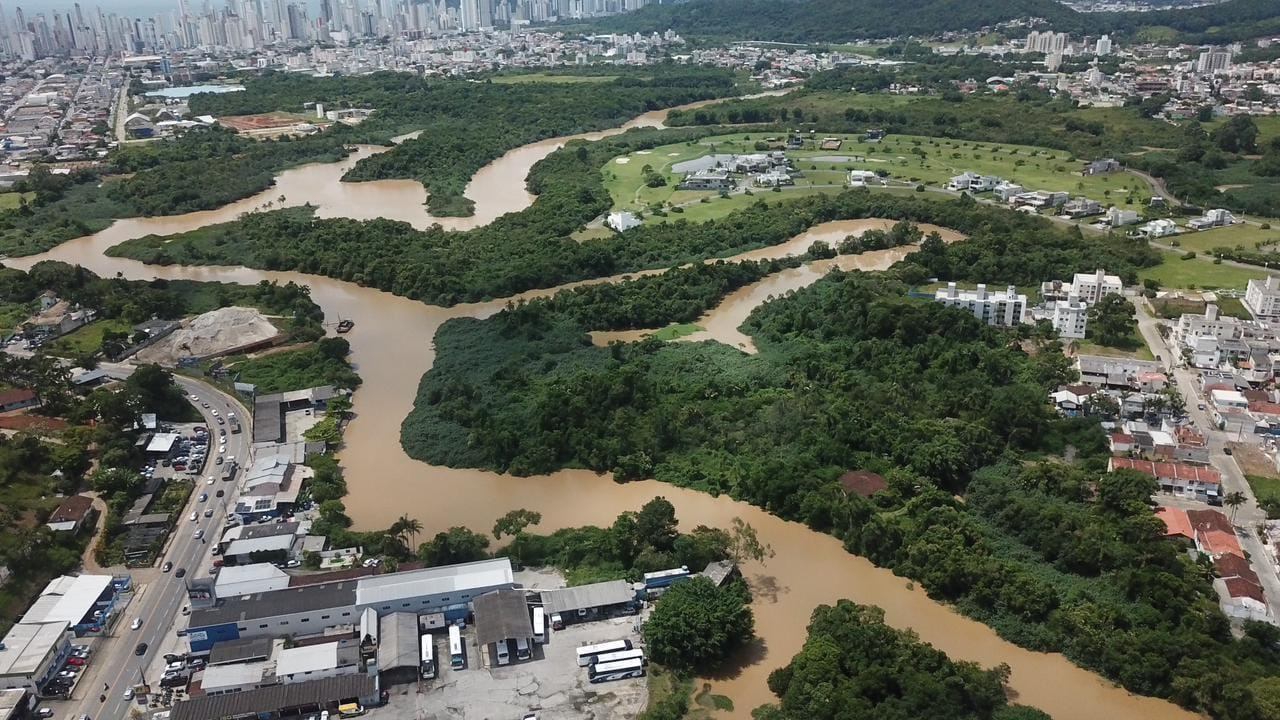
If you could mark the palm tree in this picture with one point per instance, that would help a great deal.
(405, 526)
(412, 526)
(1234, 500)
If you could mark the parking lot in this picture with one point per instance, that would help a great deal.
(551, 684)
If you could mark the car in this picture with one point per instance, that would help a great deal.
(181, 572)
(81, 649)
(209, 480)
(222, 449)
(219, 462)
(205, 405)
(76, 661)
(186, 610)
(214, 570)
(215, 412)
(220, 493)
(293, 564)
(166, 567)
(128, 693)
(66, 674)
(137, 623)
(208, 512)
(222, 431)
(194, 515)
(221, 421)
(1200, 406)
(200, 534)
(45, 712)
(204, 497)
(140, 650)
(1226, 451)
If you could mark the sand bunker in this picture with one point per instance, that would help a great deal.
(212, 333)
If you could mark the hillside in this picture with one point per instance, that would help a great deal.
(809, 21)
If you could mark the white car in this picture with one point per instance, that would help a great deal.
(128, 693)
(199, 534)
(222, 449)
(215, 412)
(194, 516)
(209, 481)
(137, 623)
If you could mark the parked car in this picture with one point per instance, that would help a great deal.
(220, 493)
(181, 572)
(209, 480)
(219, 460)
(166, 567)
(45, 712)
(194, 516)
(140, 650)
(78, 661)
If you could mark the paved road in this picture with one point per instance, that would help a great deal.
(1247, 516)
(160, 596)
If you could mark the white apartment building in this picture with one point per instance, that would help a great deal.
(1091, 288)
(1070, 318)
(1191, 326)
(999, 308)
(1262, 298)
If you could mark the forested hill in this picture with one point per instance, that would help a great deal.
(810, 21)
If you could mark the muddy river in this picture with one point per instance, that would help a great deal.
(392, 348)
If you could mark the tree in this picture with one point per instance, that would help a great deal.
(744, 543)
(656, 523)
(406, 528)
(515, 522)
(1234, 500)
(455, 545)
(1266, 695)
(1111, 320)
(1237, 135)
(696, 626)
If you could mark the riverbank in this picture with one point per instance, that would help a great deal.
(393, 347)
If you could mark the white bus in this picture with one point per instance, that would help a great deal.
(620, 670)
(428, 657)
(539, 625)
(586, 652)
(635, 654)
(456, 660)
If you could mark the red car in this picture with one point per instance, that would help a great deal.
(75, 661)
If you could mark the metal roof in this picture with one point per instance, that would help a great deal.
(398, 644)
(278, 602)
(602, 594)
(311, 694)
(240, 650)
(67, 598)
(27, 645)
(262, 544)
(502, 615)
(434, 581)
(307, 658)
(162, 442)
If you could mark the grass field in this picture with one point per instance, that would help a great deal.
(904, 157)
(11, 200)
(1267, 492)
(1242, 235)
(86, 340)
(1135, 348)
(673, 332)
(549, 78)
(718, 207)
(1198, 273)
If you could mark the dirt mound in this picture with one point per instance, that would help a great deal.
(213, 333)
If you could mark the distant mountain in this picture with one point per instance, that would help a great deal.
(817, 21)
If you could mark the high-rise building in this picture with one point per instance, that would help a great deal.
(1103, 46)
(1213, 60)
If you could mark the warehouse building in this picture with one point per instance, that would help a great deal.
(282, 700)
(32, 652)
(399, 648)
(565, 606)
(310, 609)
(502, 620)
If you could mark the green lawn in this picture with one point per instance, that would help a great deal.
(11, 314)
(673, 332)
(11, 200)
(1267, 492)
(87, 339)
(718, 207)
(1135, 348)
(904, 157)
(549, 78)
(1198, 273)
(1242, 235)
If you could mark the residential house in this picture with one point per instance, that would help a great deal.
(17, 399)
(1158, 229)
(863, 178)
(1119, 218)
(1081, 207)
(72, 515)
(773, 178)
(1103, 167)
(1040, 200)
(1211, 324)
(1072, 400)
(622, 221)
(1211, 219)
(1115, 373)
(1007, 191)
(1182, 479)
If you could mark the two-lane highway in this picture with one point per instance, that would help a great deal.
(159, 596)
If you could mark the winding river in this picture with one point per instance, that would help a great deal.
(392, 347)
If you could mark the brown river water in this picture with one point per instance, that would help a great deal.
(392, 347)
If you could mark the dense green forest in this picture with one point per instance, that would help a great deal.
(464, 124)
(532, 249)
(854, 665)
(1055, 556)
(808, 21)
